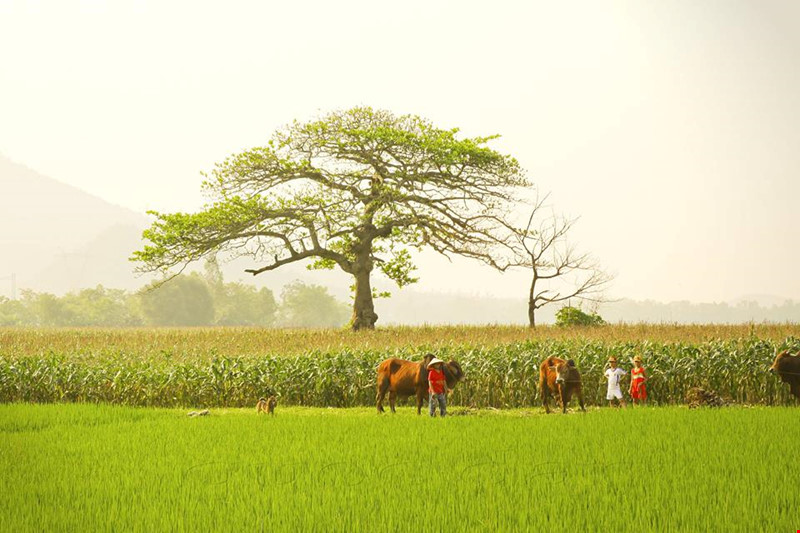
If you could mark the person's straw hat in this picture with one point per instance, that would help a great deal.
(638, 358)
(435, 361)
(612, 359)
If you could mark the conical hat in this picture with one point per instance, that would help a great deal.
(435, 361)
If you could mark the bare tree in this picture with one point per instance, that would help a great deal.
(558, 272)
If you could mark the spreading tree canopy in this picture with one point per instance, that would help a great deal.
(356, 189)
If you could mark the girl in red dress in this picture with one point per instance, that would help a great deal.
(638, 390)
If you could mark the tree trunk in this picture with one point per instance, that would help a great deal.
(531, 315)
(532, 300)
(364, 316)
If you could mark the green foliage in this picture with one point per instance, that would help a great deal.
(182, 301)
(311, 306)
(16, 312)
(187, 237)
(238, 304)
(399, 268)
(192, 300)
(244, 305)
(50, 310)
(574, 316)
(322, 264)
(101, 307)
(88, 307)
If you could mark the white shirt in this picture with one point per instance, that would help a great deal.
(613, 376)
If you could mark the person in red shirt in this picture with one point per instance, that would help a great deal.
(437, 386)
(638, 389)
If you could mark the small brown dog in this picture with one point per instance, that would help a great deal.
(267, 406)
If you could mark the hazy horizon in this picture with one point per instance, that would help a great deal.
(670, 129)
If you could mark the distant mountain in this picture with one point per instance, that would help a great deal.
(101, 261)
(56, 237)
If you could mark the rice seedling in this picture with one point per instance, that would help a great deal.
(107, 468)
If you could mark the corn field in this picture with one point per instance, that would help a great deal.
(499, 374)
(193, 344)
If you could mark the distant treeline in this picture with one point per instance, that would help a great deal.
(193, 301)
(186, 300)
(699, 313)
(417, 308)
(206, 300)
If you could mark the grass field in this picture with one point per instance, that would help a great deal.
(103, 468)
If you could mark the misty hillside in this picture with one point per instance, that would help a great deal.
(56, 237)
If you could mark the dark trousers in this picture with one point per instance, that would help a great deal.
(441, 399)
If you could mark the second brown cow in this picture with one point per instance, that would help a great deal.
(561, 379)
(787, 367)
(398, 377)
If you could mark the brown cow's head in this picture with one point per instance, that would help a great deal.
(564, 371)
(787, 367)
(775, 368)
(453, 373)
(423, 367)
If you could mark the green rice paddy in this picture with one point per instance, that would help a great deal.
(79, 467)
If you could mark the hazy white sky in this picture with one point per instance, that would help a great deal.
(671, 128)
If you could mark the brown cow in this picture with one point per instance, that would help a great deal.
(560, 378)
(407, 378)
(787, 367)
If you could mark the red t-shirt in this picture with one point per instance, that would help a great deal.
(436, 381)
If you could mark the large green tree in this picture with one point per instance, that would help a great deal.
(357, 190)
